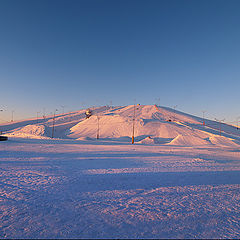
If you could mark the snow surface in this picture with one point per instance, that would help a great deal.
(180, 179)
(153, 124)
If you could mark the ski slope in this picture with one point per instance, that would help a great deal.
(153, 124)
(179, 180)
(99, 189)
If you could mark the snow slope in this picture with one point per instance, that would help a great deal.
(152, 125)
(179, 180)
(65, 189)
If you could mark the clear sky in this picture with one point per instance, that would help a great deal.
(80, 53)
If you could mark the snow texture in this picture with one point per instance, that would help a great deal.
(180, 179)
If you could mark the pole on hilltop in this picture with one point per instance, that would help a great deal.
(53, 122)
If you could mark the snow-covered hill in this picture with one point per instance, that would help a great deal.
(153, 125)
(180, 179)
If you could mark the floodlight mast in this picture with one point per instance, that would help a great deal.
(174, 107)
(134, 116)
(203, 119)
(98, 126)
(62, 106)
(237, 122)
(133, 123)
(220, 121)
(37, 116)
(157, 101)
(12, 115)
(53, 122)
(44, 114)
(1, 111)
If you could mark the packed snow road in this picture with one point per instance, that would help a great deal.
(97, 189)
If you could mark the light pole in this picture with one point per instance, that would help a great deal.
(203, 119)
(174, 107)
(220, 121)
(63, 108)
(37, 116)
(83, 104)
(44, 114)
(12, 115)
(157, 101)
(133, 126)
(98, 127)
(53, 122)
(1, 111)
(237, 122)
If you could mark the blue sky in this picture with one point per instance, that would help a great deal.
(84, 53)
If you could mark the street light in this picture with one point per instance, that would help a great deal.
(237, 122)
(1, 111)
(203, 119)
(133, 127)
(53, 122)
(98, 118)
(37, 116)
(63, 108)
(44, 113)
(174, 107)
(12, 115)
(157, 101)
(220, 121)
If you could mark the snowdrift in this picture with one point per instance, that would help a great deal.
(220, 140)
(30, 131)
(188, 140)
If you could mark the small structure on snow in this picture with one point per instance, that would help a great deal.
(3, 138)
(88, 113)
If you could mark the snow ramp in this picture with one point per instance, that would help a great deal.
(30, 131)
(224, 141)
(188, 140)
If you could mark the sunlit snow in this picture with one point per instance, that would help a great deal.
(179, 180)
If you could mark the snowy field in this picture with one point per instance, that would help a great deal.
(113, 189)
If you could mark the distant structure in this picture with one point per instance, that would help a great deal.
(3, 138)
(88, 113)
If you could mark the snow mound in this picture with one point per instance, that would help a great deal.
(221, 140)
(110, 126)
(188, 140)
(155, 140)
(30, 131)
(147, 140)
(164, 126)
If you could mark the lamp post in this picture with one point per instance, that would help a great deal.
(237, 122)
(203, 119)
(133, 126)
(1, 111)
(220, 121)
(98, 127)
(37, 116)
(157, 101)
(12, 115)
(63, 108)
(174, 107)
(44, 114)
(53, 122)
